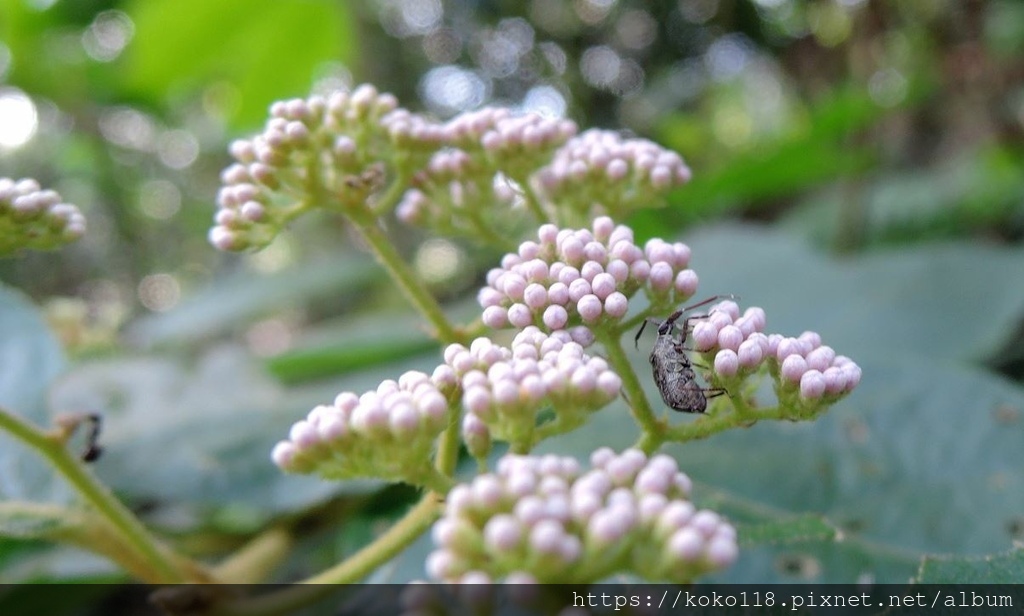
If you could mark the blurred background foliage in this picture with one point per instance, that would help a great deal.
(857, 170)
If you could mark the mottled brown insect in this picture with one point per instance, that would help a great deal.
(673, 371)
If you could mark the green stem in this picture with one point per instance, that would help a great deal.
(448, 442)
(402, 274)
(389, 199)
(51, 446)
(435, 480)
(352, 569)
(708, 425)
(533, 202)
(254, 562)
(638, 403)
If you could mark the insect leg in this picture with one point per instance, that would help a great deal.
(714, 392)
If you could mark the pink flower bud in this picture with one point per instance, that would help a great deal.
(705, 335)
(661, 276)
(529, 250)
(572, 250)
(812, 385)
(589, 308)
(283, 454)
(686, 282)
(793, 368)
(811, 338)
(640, 270)
(582, 336)
(749, 354)
(558, 293)
(495, 317)
(603, 227)
(535, 295)
(578, 289)
(616, 169)
(555, 317)
(686, 544)
(591, 269)
(788, 347)
(519, 315)
(618, 270)
(603, 285)
(835, 380)
(730, 337)
(726, 363)
(821, 358)
(514, 286)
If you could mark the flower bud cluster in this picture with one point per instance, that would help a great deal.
(33, 218)
(545, 520)
(583, 277)
(457, 190)
(330, 145)
(503, 398)
(737, 347)
(387, 433)
(515, 144)
(600, 171)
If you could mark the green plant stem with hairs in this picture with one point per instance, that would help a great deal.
(365, 223)
(638, 403)
(167, 568)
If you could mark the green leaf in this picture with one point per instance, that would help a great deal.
(955, 199)
(920, 300)
(355, 343)
(61, 564)
(1003, 568)
(923, 457)
(264, 49)
(30, 358)
(896, 462)
(31, 521)
(241, 298)
(203, 433)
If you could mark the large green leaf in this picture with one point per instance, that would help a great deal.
(30, 358)
(946, 300)
(242, 297)
(203, 433)
(924, 457)
(264, 49)
(353, 343)
(1004, 568)
(978, 190)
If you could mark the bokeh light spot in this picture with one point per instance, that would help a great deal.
(545, 100)
(107, 35)
(159, 199)
(18, 118)
(437, 260)
(448, 90)
(887, 87)
(159, 292)
(178, 149)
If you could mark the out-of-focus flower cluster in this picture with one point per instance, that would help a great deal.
(545, 520)
(34, 218)
(388, 433)
(315, 152)
(505, 390)
(475, 175)
(581, 277)
(805, 370)
(468, 187)
(600, 172)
